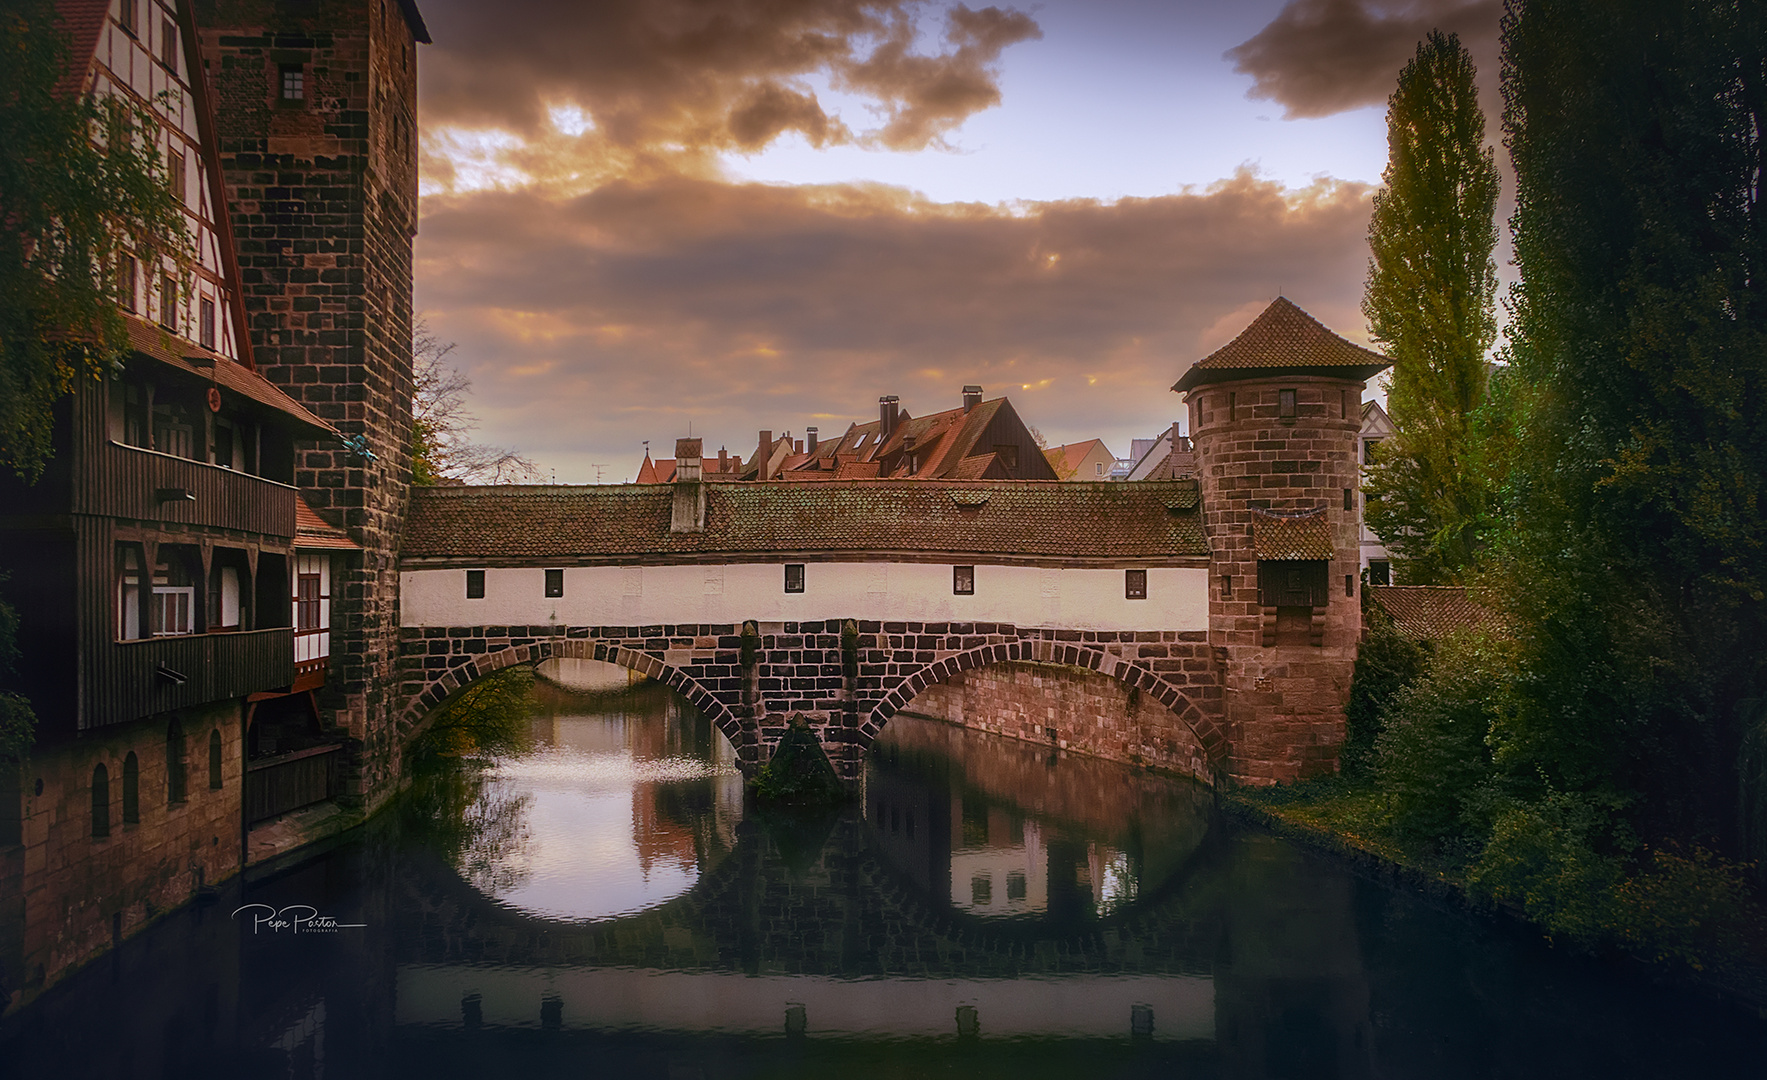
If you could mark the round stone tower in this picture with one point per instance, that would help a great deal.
(1274, 421)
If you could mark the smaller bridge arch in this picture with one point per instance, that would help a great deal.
(1185, 703)
(488, 655)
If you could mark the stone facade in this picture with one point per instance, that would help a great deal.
(1284, 702)
(1069, 708)
(798, 669)
(81, 893)
(322, 188)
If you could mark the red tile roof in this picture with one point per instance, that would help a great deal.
(1022, 519)
(1430, 612)
(313, 531)
(159, 344)
(1284, 338)
(1283, 537)
(83, 21)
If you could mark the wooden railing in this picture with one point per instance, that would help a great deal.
(127, 679)
(280, 784)
(113, 480)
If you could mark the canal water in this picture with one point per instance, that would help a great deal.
(572, 886)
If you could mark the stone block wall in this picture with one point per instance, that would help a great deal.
(80, 893)
(1067, 708)
(1284, 702)
(798, 671)
(323, 194)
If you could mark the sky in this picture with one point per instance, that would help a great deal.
(643, 219)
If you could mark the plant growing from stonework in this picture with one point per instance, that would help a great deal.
(18, 722)
(442, 448)
(82, 185)
(1430, 304)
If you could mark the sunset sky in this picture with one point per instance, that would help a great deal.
(740, 214)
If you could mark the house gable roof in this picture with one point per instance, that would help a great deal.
(1284, 338)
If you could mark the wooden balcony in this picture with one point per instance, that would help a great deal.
(127, 679)
(112, 480)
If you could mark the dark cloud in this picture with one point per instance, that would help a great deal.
(1320, 57)
(626, 313)
(708, 75)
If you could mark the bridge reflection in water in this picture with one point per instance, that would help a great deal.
(595, 897)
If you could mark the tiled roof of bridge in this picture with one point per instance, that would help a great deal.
(1022, 518)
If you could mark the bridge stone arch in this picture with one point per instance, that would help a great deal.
(1189, 689)
(483, 653)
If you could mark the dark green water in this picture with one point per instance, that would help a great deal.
(587, 896)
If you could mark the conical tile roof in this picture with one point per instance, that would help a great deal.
(1284, 338)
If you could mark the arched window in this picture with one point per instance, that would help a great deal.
(175, 787)
(100, 800)
(214, 761)
(131, 789)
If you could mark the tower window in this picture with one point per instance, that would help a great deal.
(794, 577)
(963, 580)
(1135, 584)
(555, 583)
(100, 800)
(1349, 498)
(294, 82)
(475, 584)
(1285, 404)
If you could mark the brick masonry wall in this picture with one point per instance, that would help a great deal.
(323, 194)
(1284, 707)
(75, 884)
(1069, 708)
(798, 670)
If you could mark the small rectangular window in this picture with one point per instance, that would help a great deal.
(307, 602)
(1135, 584)
(126, 273)
(1349, 584)
(794, 577)
(1226, 586)
(294, 82)
(168, 44)
(205, 325)
(1349, 498)
(175, 178)
(168, 302)
(475, 584)
(555, 583)
(1285, 404)
(127, 19)
(1380, 572)
(963, 580)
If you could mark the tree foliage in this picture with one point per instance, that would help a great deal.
(442, 450)
(81, 185)
(1429, 302)
(1636, 554)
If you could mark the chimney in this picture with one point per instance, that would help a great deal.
(810, 437)
(723, 461)
(886, 416)
(687, 507)
(972, 396)
(764, 458)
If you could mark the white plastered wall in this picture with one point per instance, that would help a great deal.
(1089, 599)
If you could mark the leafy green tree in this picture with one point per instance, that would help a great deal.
(1429, 302)
(1636, 553)
(81, 186)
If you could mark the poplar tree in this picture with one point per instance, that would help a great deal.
(1429, 303)
(1637, 542)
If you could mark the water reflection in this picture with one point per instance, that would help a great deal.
(1000, 829)
(572, 887)
(614, 803)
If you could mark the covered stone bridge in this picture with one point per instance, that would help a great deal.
(839, 602)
